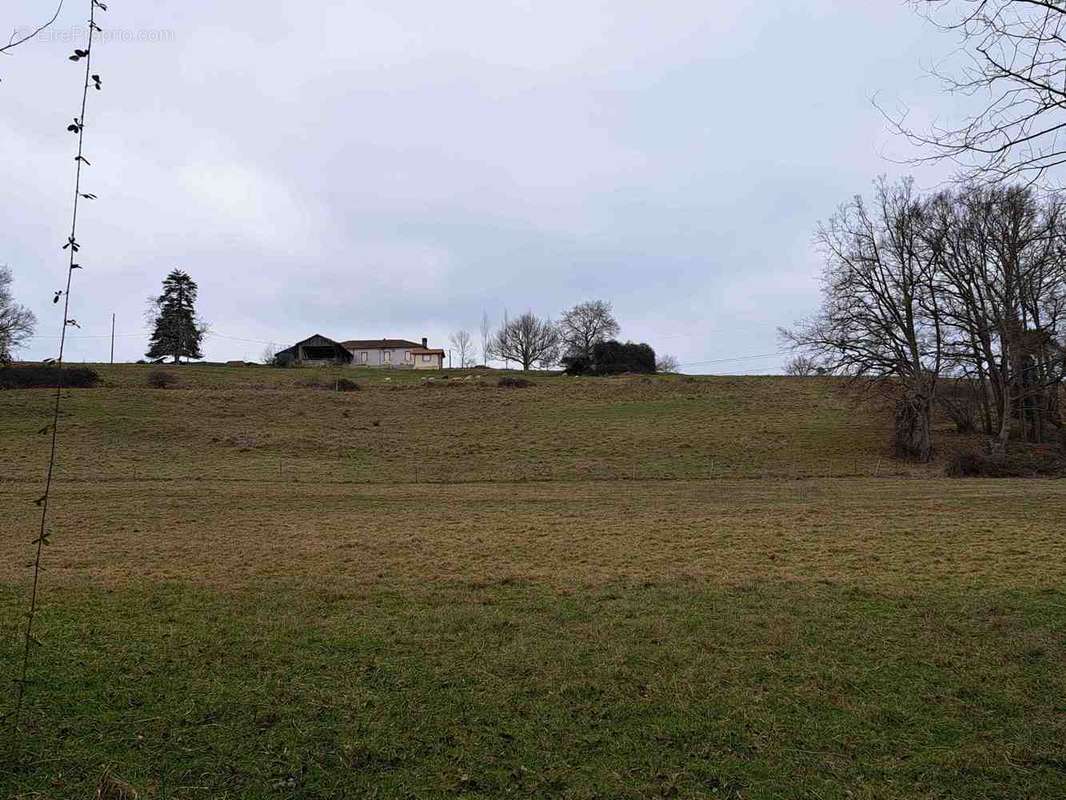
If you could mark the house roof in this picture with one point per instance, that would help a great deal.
(427, 351)
(380, 344)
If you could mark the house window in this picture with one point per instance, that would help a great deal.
(426, 359)
(362, 356)
(407, 356)
(387, 356)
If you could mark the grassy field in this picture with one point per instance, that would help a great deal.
(260, 425)
(643, 588)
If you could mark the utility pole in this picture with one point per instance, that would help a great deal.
(112, 338)
(449, 358)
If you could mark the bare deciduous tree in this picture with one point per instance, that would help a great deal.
(586, 325)
(527, 340)
(667, 364)
(463, 344)
(486, 338)
(1002, 280)
(965, 288)
(17, 323)
(879, 316)
(1017, 55)
(802, 366)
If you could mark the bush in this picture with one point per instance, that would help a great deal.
(613, 358)
(335, 385)
(345, 385)
(34, 376)
(162, 379)
(508, 382)
(579, 365)
(1029, 462)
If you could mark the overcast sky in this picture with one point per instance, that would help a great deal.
(393, 168)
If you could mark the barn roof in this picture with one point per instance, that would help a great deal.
(318, 340)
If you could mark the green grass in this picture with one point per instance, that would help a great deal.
(670, 690)
(625, 588)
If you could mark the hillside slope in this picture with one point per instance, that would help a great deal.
(263, 425)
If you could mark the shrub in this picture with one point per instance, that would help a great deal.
(613, 358)
(508, 382)
(162, 379)
(34, 376)
(335, 385)
(345, 385)
(579, 365)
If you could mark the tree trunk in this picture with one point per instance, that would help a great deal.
(913, 428)
(986, 408)
(997, 447)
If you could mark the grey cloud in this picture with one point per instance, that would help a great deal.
(392, 169)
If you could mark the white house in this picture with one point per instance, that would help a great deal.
(394, 353)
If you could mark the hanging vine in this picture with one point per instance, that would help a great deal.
(92, 81)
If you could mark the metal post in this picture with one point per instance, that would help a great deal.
(112, 338)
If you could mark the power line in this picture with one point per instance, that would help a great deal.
(89, 336)
(734, 358)
(239, 338)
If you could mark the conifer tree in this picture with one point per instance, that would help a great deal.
(177, 332)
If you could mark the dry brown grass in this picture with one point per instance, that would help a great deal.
(112, 788)
(246, 475)
(895, 535)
